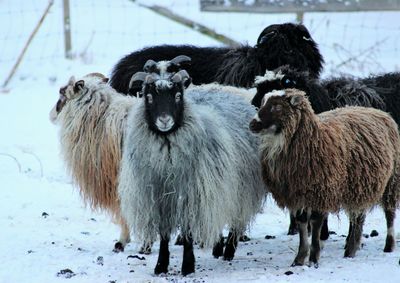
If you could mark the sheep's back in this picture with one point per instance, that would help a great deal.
(372, 142)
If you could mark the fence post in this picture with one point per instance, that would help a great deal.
(67, 30)
(299, 17)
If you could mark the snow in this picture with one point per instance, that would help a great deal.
(45, 226)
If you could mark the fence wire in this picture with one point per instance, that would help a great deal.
(103, 31)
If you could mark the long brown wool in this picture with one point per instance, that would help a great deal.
(92, 129)
(345, 158)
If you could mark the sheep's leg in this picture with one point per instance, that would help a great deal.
(316, 221)
(390, 214)
(302, 222)
(231, 244)
(163, 256)
(349, 233)
(354, 238)
(218, 249)
(293, 230)
(124, 237)
(188, 255)
(325, 230)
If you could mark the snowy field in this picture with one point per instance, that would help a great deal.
(45, 226)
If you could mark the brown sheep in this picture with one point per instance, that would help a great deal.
(92, 119)
(346, 158)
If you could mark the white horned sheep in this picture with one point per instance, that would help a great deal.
(189, 162)
(92, 119)
(314, 164)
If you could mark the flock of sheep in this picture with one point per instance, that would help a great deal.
(175, 142)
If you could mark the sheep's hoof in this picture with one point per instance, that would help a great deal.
(312, 263)
(349, 253)
(298, 262)
(218, 249)
(293, 231)
(160, 268)
(244, 238)
(229, 253)
(118, 247)
(389, 246)
(145, 250)
(187, 268)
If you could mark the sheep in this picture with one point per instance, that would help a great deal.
(189, 162)
(314, 164)
(380, 92)
(331, 93)
(92, 119)
(237, 66)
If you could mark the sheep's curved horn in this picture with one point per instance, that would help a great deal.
(149, 79)
(139, 76)
(180, 59)
(150, 64)
(180, 76)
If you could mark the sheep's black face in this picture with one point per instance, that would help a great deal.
(164, 105)
(279, 79)
(275, 110)
(289, 44)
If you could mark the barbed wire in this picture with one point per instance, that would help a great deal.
(100, 29)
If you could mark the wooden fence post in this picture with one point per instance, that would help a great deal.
(67, 30)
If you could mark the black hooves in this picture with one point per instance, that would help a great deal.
(160, 268)
(187, 268)
(293, 231)
(145, 250)
(118, 247)
(244, 238)
(229, 252)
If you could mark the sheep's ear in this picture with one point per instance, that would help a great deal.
(105, 80)
(79, 85)
(295, 100)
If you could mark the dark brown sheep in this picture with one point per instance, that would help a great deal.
(315, 164)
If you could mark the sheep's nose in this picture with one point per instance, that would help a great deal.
(165, 119)
(255, 126)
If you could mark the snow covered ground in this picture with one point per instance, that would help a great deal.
(45, 226)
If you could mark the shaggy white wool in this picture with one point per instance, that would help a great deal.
(201, 178)
(162, 67)
(269, 76)
(271, 94)
(160, 84)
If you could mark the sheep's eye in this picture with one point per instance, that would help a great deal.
(287, 82)
(178, 97)
(149, 98)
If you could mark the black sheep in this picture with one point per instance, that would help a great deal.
(237, 66)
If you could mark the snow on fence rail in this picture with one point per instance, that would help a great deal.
(296, 6)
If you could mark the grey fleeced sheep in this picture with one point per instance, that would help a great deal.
(189, 162)
(346, 158)
(92, 120)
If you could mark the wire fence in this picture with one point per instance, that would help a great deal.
(103, 31)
